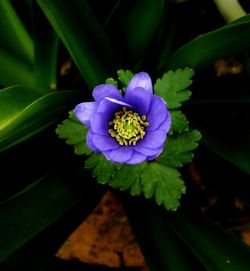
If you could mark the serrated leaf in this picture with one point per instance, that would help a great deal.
(118, 176)
(164, 183)
(103, 169)
(124, 76)
(172, 87)
(152, 179)
(178, 149)
(179, 121)
(111, 81)
(75, 134)
(128, 176)
(82, 148)
(136, 188)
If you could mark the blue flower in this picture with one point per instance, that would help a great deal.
(126, 129)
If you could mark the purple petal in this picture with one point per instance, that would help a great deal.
(107, 90)
(136, 158)
(154, 140)
(104, 143)
(139, 99)
(142, 80)
(157, 114)
(110, 106)
(155, 156)
(146, 151)
(90, 143)
(84, 112)
(166, 124)
(120, 155)
(99, 124)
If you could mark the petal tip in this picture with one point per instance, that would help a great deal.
(84, 112)
(141, 79)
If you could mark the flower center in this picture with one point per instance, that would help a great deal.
(128, 127)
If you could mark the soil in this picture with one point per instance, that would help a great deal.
(105, 238)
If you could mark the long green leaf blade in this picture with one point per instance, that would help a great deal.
(161, 247)
(14, 37)
(26, 116)
(14, 71)
(138, 24)
(83, 37)
(13, 100)
(46, 50)
(217, 250)
(204, 50)
(25, 216)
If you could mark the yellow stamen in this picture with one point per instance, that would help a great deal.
(128, 127)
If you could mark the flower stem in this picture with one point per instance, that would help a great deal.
(230, 9)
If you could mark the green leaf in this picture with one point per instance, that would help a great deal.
(14, 38)
(111, 81)
(122, 181)
(28, 215)
(84, 38)
(172, 87)
(166, 38)
(26, 112)
(164, 183)
(116, 175)
(14, 71)
(206, 243)
(125, 76)
(46, 49)
(179, 121)
(215, 248)
(160, 245)
(137, 24)
(178, 149)
(204, 50)
(152, 179)
(75, 134)
(13, 100)
(103, 169)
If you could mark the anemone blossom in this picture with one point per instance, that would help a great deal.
(126, 129)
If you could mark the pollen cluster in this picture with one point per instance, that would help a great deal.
(128, 127)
